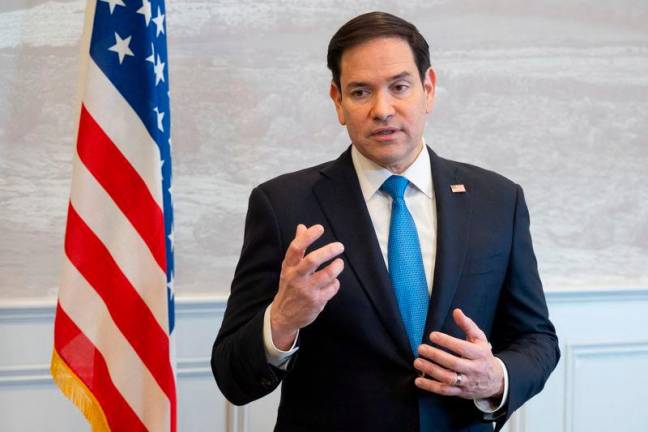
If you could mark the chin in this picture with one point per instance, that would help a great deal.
(391, 161)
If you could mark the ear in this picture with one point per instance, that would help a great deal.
(429, 85)
(336, 96)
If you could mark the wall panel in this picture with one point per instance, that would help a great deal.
(599, 385)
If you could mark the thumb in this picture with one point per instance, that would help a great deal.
(468, 326)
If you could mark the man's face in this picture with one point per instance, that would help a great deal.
(383, 102)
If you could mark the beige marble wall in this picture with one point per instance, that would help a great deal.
(551, 93)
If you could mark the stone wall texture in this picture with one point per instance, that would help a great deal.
(551, 93)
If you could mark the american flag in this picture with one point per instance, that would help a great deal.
(113, 345)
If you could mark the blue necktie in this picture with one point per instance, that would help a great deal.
(406, 263)
(407, 274)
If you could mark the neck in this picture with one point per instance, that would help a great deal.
(400, 167)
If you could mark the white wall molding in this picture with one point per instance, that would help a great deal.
(582, 351)
(30, 309)
(516, 422)
(27, 310)
(595, 326)
(40, 373)
(26, 334)
(28, 374)
(237, 418)
(596, 295)
(603, 342)
(200, 305)
(197, 305)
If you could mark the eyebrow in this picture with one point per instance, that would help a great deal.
(396, 77)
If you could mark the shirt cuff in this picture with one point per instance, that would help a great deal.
(489, 406)
(274, 355)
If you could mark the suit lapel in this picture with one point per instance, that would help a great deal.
(453, 220)
(340, 197)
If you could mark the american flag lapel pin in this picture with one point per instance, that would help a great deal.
(458, 188)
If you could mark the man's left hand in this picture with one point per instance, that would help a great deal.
(470, 371)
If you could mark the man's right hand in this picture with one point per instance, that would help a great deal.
(303, 291)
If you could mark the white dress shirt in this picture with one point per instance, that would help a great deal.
(419, 198)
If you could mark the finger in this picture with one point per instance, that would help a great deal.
(329, 291)
(444, 359)
(300, 228)
(472, 330)
(437, 387)
(316, 258)
(462, 348)
(435, 371)
(328, 274)
(304, 237)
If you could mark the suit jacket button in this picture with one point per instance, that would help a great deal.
(265, 382)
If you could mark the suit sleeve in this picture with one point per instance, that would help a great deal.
(238, 356)
(523, 337)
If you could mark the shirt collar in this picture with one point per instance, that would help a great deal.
(371, 175)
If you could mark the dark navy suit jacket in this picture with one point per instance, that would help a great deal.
(354, 367)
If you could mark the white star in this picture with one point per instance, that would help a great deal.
(121, 47)
(161, 164)
(170, 145)
(160, 116)
(159, 23)
(170, 190)
(151, 58)
(145, 10)
(113, 3)
(159, 70)
(171, 282)
(171, 238)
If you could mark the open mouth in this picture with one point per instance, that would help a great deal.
(384, 132)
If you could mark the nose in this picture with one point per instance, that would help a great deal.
(383, 108)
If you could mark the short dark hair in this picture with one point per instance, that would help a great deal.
(374, 25)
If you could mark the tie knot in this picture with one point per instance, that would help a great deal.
(395, 186)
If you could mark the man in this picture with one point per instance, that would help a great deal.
(390, 289)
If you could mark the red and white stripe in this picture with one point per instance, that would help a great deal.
(112, 327)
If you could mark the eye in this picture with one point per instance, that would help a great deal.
(400, 87)
(358, 93)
